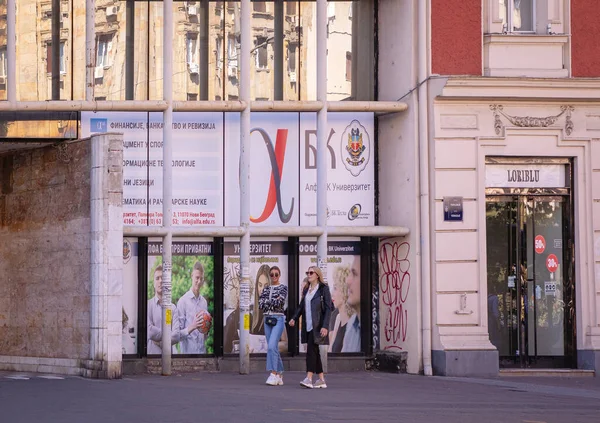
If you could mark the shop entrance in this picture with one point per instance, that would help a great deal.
(531, 285)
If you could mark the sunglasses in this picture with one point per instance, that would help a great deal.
(310, 272)
(274, 275)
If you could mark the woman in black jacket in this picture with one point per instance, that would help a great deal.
(315, 309)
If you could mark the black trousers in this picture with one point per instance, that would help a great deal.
(313, 355)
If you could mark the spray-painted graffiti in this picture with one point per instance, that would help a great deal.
(375, 318)
(394, 283)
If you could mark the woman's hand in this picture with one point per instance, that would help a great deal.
(324, 332)
(292, 323)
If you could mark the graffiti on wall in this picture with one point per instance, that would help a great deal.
(394, 283)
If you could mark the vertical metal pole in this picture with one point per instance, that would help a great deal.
(278, 51)
(55, 50)
(245, 47)
(11, 51)
(322, 134)
(167, 184)
(129, 48)
(90, 48)
(204, 39)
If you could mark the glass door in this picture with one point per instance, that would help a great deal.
(530, 284)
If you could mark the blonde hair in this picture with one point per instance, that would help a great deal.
(262, 271)
(319, 273)
(339, 283)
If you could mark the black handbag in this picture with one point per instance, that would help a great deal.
(270, 320)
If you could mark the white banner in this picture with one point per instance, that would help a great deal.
(206, 155)
(525, 176)
(197, 165)
(350, 174)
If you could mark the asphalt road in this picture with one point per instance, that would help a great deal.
(351, 397)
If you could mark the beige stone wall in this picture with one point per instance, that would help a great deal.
(34, 33)
(45, 253)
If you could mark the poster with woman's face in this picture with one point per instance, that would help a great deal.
(192, 292)
(263, 256)
(343, 278)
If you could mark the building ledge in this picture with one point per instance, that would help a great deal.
(548, 90)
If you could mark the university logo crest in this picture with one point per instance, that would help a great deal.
(356, 147)
(126, 251)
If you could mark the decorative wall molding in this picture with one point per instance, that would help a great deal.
(531, 121)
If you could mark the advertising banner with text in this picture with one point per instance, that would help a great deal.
(263, 256)
(197, 165)
(343, 278)
(206, 173)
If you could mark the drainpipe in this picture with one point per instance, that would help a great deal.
(11, 52)
(322, 135)
(424, 187)
(167, 312)
(90, 47)
(244, 297)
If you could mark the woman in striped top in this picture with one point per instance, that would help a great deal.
(272, 303)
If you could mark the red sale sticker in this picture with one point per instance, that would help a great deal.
(540, 244)
(552, 263)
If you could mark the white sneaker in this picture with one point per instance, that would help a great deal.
(307, 383)
(279, 380)
(320, 384)
(272, 380)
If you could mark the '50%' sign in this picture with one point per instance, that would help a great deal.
(552, 263)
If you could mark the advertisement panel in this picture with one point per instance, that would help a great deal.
(343, 278)
(133, 126)
(130, 296)
(273, 169)
(197, 165)
(192, 293)
(263, 256)
(351, 169)
(206, 172)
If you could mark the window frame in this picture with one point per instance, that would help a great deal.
(510, 10)
(264, 53)
(103, 40)
(62, 60)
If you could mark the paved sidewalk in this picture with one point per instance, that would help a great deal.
(351, 397)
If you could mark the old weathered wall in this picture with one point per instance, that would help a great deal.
(45, 252)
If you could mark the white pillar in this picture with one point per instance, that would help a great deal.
(244, 297)
(167, 185)
(106, 178)
(322, 134)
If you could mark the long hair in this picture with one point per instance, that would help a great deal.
(319, 273)
(339, 284)
(257, 316)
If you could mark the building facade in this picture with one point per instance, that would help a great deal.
(462, 235)
(510, 159)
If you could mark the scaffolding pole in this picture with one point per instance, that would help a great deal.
(244, 297)
(167, 312)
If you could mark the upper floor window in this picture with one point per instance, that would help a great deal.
(262, 56)
(526, 38)
(191, 47)
(291, 8)
(540, 17)
(259, 6)
(517, 15)
(62, 66)
(103, 48)
(2, 62)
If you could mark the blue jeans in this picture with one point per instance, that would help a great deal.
(273, 335)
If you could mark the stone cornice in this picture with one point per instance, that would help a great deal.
(561, 90)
